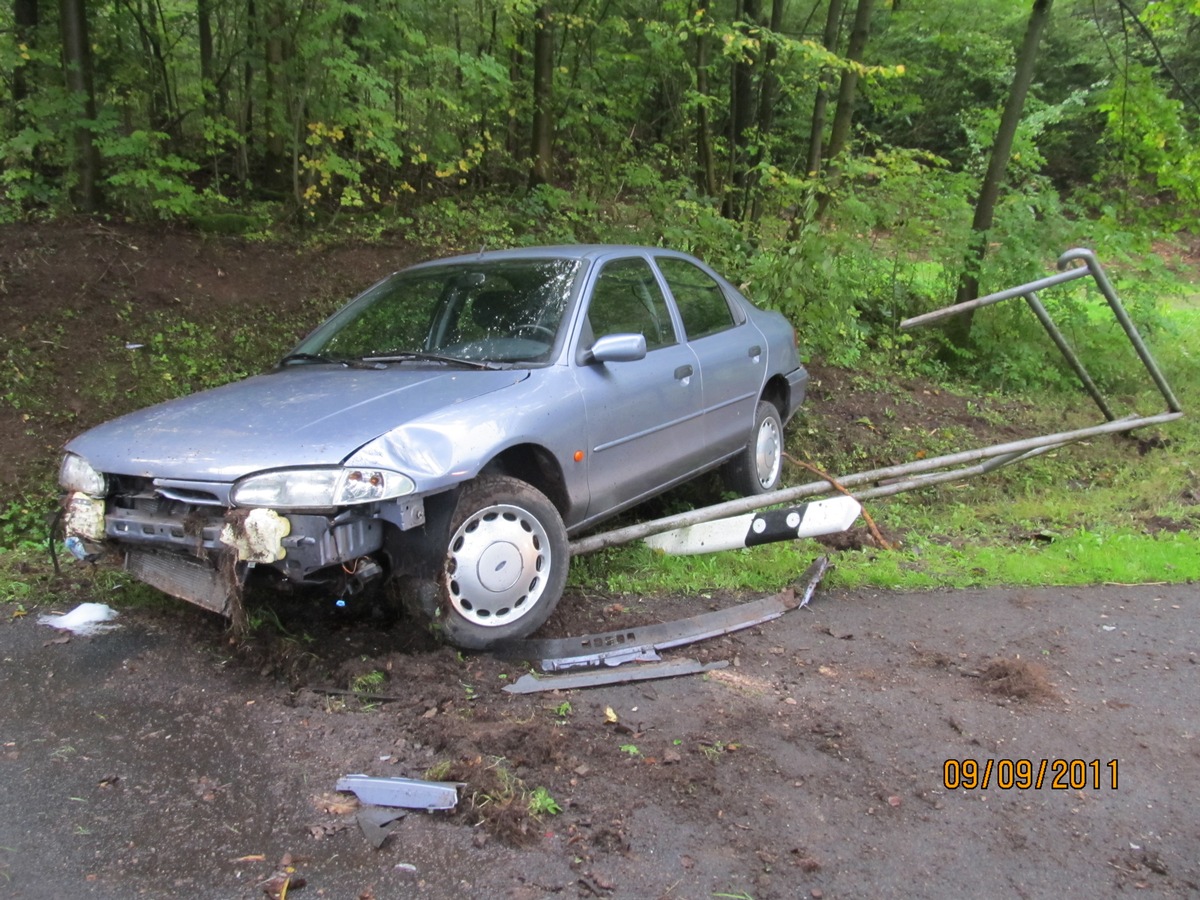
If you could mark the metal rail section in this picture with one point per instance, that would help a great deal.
(954, 466)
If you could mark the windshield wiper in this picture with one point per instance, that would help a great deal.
(331, 360)
(433, 357)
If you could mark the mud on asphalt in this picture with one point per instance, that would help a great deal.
(832, 758)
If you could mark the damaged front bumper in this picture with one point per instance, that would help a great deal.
(204, 554)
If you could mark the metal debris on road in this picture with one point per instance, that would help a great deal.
(412, 793)
(640, 643)
(529, 684)
(377, 823)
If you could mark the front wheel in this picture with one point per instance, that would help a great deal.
(758, 466)
(505, 563)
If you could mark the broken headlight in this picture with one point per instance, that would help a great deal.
(320, 488)
(77, 474)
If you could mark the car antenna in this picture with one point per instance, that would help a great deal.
(482, 247)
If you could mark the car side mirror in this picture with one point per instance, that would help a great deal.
(618, 348)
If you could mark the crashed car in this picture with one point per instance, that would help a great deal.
(444, 434)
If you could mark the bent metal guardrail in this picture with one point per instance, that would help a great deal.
(954, 466)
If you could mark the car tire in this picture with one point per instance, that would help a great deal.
(758, 466)
(505, 564)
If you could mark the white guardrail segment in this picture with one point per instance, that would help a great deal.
(806, 520)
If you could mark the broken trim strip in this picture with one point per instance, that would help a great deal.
(640, 643)
(412, 793)
(529, 684)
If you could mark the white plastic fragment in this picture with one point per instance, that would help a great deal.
(84, 515)
(85, 619)
(258, 537)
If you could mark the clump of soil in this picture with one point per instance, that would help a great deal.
(1017, 679)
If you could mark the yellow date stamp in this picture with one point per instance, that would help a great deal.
(1029, 774)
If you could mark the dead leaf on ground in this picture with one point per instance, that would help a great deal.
(336, 804)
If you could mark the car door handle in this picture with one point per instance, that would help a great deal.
(755, 351)
(683, 372)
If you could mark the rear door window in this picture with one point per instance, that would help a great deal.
(702, 304)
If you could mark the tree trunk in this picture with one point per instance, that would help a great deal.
(204, 26)
(25, 23)
(741, 113)
(704, 148)
(839, 135)
(959, 328)
(275, 116)
(768, 95)
(542, 145)
(246, 108)
(816, 140)
(514, 141)
(769, 86)
(77, 62)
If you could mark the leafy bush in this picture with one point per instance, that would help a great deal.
(145, 180)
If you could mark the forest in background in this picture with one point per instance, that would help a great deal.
(851, 162)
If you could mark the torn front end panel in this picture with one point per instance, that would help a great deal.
(204, 553)
(185, 577)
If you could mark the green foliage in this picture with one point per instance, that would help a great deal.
(24, 522)
(541, 803)
(145, 179)
(34, 151)
(369, 682)
(1154, 161)
(1080, 557)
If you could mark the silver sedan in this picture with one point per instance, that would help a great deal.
(440, 437)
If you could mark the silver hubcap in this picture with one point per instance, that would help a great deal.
(497, 565)
(768, 456)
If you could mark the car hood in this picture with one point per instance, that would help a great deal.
(297, 416)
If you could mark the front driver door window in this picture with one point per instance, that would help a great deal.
(644, 426)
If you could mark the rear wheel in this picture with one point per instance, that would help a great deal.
(505, 563)
(759, 465)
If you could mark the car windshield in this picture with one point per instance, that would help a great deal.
(490, 311)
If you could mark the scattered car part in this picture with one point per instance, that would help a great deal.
(640, 643)
(752, 529)
(529, 683)
(85, 619)
(412, 793)
(376, 823)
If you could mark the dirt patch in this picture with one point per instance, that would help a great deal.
(72, 291)
(1017, 679)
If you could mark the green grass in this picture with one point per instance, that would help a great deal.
(1083, 557)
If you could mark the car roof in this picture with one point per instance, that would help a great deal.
(587, 252)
